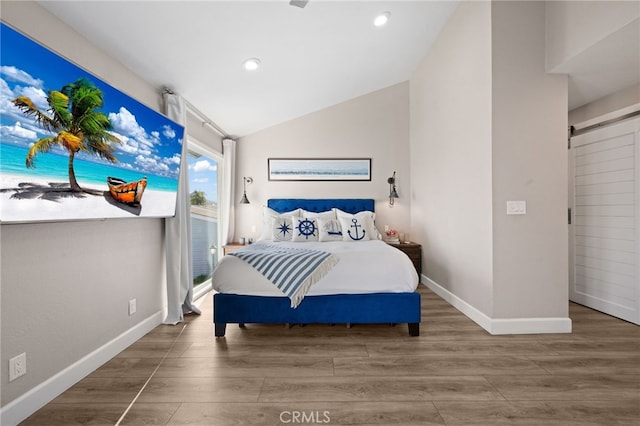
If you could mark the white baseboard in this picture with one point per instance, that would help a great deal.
(531, 325)
(498, 326)
(31, 401)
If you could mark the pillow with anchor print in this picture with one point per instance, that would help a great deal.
(282, 228)
(355, 227)
(305, 229)
(366, 218)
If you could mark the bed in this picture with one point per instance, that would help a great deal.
(241, 297)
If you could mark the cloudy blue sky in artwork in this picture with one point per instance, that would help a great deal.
(151, 143)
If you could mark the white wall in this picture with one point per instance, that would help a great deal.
(373, 126)
(488, 125)
(203, 132)
(451, 157)
(529, 130)
(66, 286)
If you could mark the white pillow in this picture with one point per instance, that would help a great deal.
(282, 228)
(355, 228)
(366, 217)
(267, 215)
(305, 229)
(329, 214)
(329, 229)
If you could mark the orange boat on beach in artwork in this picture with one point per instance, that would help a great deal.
(127, 192)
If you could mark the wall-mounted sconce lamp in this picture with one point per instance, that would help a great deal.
(393, 194)
(245, 181)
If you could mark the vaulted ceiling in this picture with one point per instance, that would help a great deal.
(310, 58)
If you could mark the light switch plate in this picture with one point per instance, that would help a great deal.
(516, 207)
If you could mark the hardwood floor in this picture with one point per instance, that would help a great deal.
(454, 373)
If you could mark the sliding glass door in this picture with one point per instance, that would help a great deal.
(203, 192)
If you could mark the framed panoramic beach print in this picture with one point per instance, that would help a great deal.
(317, 169)
(73, 147)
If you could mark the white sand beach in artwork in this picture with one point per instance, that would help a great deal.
(42, 202)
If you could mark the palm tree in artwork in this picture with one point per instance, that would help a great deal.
(77, 125)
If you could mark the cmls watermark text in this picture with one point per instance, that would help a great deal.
(305, 417)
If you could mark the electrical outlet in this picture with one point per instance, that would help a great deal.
(17, 366)
(132, 306)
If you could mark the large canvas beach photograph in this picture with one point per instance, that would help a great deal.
(73, 147)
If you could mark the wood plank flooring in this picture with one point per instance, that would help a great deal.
(454, 373)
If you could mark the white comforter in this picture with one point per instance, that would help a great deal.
(364, 267)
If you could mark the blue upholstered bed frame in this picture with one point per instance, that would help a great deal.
(375, 308)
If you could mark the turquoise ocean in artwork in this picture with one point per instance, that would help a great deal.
(53, 167)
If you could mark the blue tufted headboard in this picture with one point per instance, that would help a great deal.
(349, 205)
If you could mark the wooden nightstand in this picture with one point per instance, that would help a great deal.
(414, 251)
(231, 247)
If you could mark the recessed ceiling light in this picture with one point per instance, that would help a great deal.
(251, 64)
(381, 19)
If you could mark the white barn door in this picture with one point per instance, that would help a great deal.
(605, 231)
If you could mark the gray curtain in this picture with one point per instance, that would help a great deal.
(178, 230)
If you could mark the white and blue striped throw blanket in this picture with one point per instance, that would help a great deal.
(292, 270)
